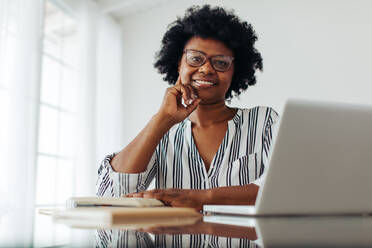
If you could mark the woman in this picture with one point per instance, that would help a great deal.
(199, 150)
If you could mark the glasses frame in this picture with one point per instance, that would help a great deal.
(208, 58)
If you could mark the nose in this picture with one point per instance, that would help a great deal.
(207, 68)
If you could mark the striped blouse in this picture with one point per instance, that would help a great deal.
(240, 159)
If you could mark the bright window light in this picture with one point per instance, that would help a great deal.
(58, 108)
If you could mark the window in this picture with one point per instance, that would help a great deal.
(58, 107)
(41, 70)
(8, 36)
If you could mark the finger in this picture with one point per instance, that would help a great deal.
(138, 195)
(150, 194)
(175, 91)
(185, 77)
(153, 191)
(190, 108)
(128, 195)
(159, 195)
(179, 81)
(186, 94)
(193, 92)
(185, 80)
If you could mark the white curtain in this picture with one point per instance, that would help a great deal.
(99, 129)
(100, 121)
(22, 82)
(20, 49)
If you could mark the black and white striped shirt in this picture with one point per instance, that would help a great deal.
(176, 163)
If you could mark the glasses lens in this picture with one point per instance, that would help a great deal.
(195, 58)
(221, 63)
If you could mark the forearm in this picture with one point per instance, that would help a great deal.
(135, 157)
(234, 195)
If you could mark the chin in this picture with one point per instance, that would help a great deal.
(210, 101)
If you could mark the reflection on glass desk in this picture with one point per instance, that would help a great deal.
(305, 231)
(27, 228)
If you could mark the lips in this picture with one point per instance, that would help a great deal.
(202, 84)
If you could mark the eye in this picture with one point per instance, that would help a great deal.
(221, 63)
(196, 59)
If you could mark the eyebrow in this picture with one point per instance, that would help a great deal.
(211, 55)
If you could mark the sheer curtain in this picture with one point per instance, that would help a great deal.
(99, 123)
(98, 129)
(20, 49)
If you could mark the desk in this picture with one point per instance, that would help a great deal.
(27, 228)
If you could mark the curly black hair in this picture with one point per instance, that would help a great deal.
(217, 23)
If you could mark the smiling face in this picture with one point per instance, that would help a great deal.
(211, 85)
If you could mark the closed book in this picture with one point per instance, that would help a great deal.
(75, 202)
(125, 215)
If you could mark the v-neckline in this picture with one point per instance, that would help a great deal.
(224, 140)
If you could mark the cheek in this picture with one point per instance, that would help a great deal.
(229, 77)
(226, 78)
(185, 74)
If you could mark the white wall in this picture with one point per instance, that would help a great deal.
(109, 118)
(318, 49)
(100, 94)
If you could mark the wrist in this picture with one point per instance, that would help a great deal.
(163, 121)
(207, 197)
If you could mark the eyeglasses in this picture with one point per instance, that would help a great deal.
(197, 58)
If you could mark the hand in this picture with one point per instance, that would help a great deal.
(176, 197)
(172, 106)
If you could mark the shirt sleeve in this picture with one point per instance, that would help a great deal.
(114, 184)
(268, 138)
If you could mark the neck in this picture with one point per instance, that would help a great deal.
(210, 114)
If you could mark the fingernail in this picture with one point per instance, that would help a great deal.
(190, 101)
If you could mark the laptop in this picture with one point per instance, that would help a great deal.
(321, 163)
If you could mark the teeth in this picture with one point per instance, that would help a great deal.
(203, 82)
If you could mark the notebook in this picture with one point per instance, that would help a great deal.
(119, 211)
(74, 202)
(128, 216)
(321, 163)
